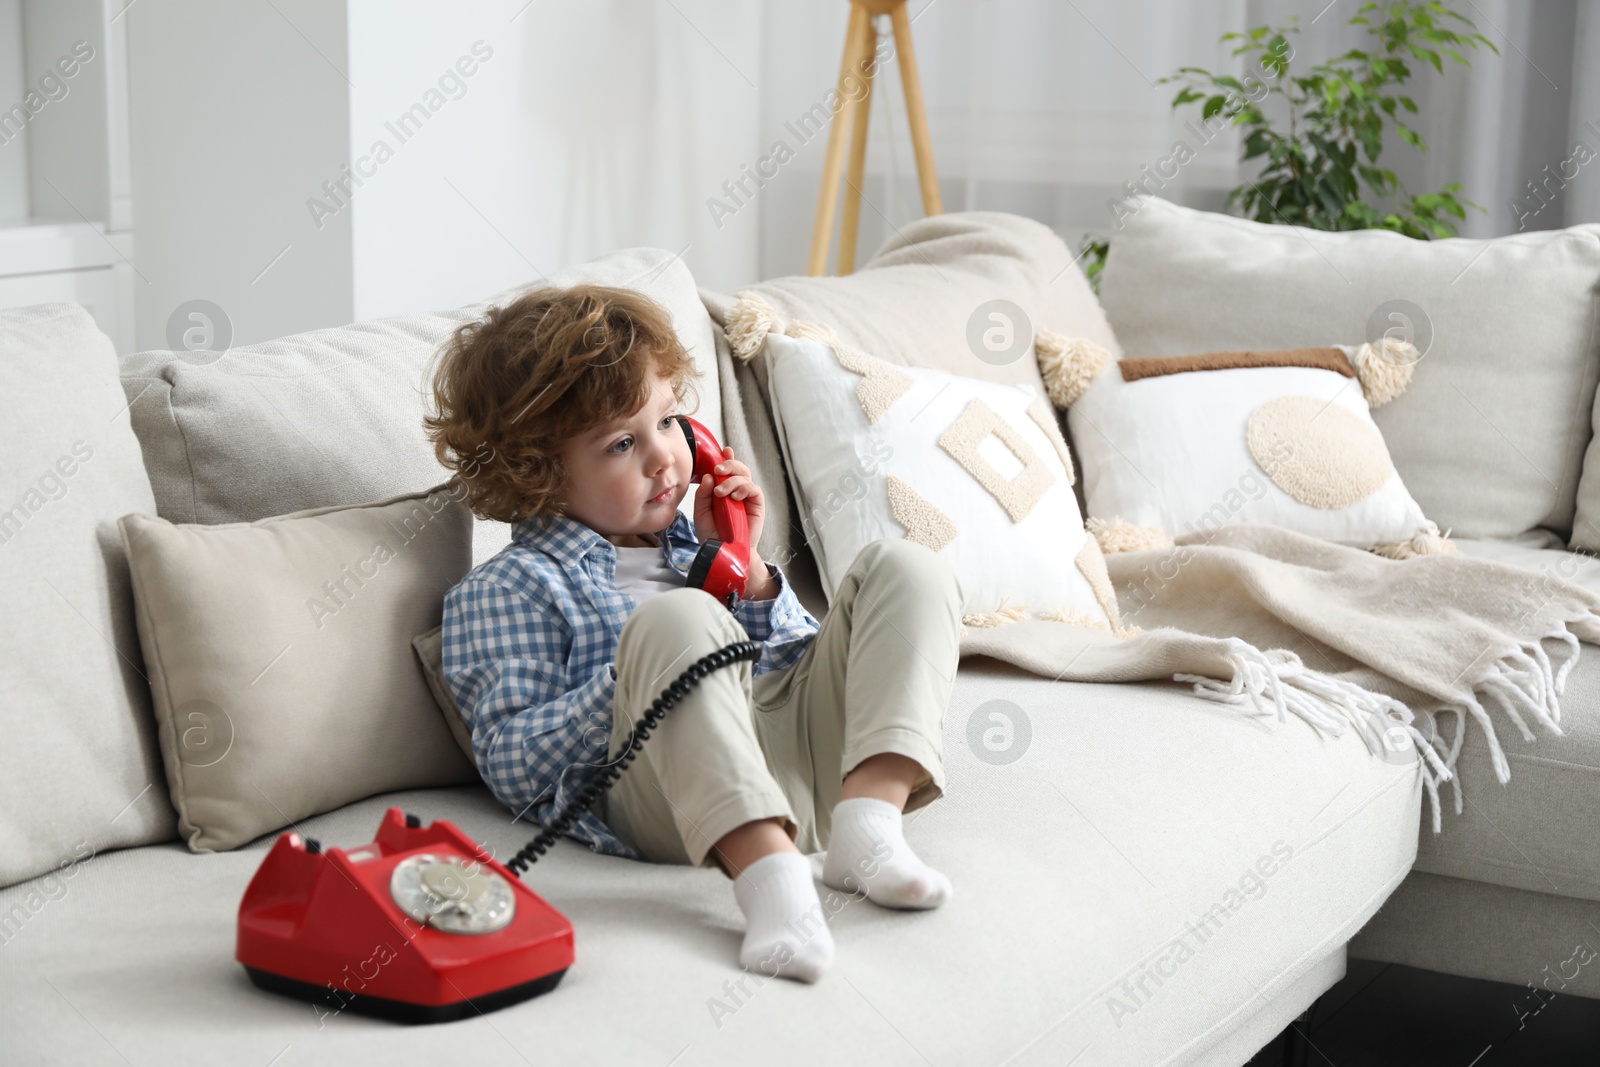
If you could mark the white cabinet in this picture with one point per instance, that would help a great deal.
(65, 209)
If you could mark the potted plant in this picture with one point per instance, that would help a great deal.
(1322, 169)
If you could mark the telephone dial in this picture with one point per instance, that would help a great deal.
(421, 925)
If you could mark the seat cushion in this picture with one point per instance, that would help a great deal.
(1493, 932)
(1481, 458)
(1537, 831)
(79, 766)
(1137, 872)
(333, 417)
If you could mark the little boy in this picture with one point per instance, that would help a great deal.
(558, 411)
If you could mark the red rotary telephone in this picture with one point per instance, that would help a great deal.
(722, 567)
(418, 926)
(422, 925)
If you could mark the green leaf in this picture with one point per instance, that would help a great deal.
(1315, 167)
(1430, 55)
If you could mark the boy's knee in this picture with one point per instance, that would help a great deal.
(926, 567)
(683, 612)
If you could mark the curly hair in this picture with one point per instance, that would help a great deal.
(512, 388)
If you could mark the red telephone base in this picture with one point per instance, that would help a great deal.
(398, 1010)
(418, 926)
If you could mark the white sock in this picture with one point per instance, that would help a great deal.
(868, 853)
(786, 930)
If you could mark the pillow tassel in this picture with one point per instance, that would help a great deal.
(1114, 535)
(1067, 365)
(814, 331)
(1006, 613)
(1384, 369)
(749, 321)
(1427, 541)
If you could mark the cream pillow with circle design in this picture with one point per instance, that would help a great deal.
(1188, 444)
(977, 471)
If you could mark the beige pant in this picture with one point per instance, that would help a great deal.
(875, 678)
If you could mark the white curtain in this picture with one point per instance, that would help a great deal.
(1040, 107)
(602, 124)
(1048, 108)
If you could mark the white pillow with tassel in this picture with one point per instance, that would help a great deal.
(1188, 444)
(977, 471)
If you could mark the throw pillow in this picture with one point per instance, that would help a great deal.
(429, 648)
(1187, 445)
(280, 661)
(959, 292)
(976, 471)
(1490, 436)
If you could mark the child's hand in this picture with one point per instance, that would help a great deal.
(739, 487)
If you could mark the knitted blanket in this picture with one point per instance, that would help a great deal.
(1239, 612)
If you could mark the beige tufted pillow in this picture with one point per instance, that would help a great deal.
(280, 660)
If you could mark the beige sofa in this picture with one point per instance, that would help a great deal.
(1146, 879)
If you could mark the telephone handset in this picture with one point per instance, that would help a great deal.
(722, 567)
(422, 925)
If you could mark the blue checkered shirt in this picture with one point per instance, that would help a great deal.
(530, 648)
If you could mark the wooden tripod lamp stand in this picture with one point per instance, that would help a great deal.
(860, 47)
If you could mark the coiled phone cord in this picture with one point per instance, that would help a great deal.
(722, 657)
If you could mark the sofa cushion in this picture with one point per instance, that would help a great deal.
(1138, 877)
(79, 769)
(1494, 932)
(1286, 445)
(926, 298)
(945, 293)
(279, 654)
(975, 471)
(1491, 433)
(1536, 831)
(334, 417)
(429, 648)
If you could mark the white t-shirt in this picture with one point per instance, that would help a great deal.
(643, 573)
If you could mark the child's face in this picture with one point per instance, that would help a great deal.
(615, 472)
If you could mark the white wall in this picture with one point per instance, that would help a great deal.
(67, 141)
(593, 126)
(238, 113)
(13, 84)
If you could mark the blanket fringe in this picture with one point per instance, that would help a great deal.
(1525, 681)
(1526, 684)
(1278, 680)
